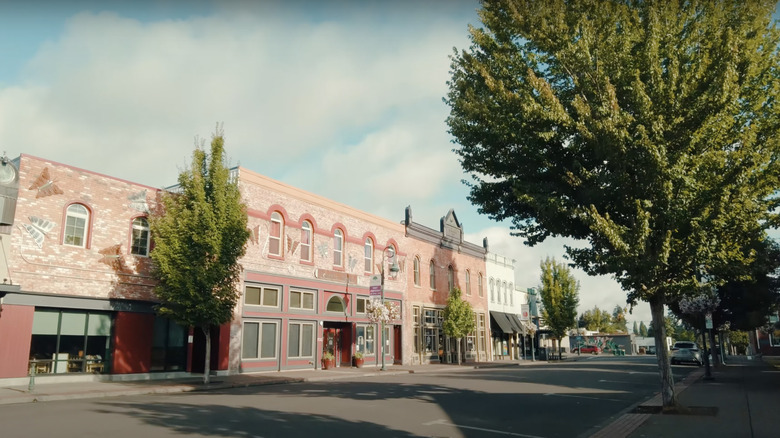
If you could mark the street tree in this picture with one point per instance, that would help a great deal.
(645, 130)
(619, 323)
(200, 233)
(642, 329)
(559, 291)
(596, 320)
(458, 318)
(635, 330)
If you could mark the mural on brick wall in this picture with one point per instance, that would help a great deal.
(292, 245)
(254, 236)
(138, 202)
(45, 185)
(38, 228)
(322, 248)
(112, 256)
(351, 263)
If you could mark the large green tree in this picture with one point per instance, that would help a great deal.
(559, 291)
(458, 318)
(596, 320)
(200, 233)
(647, 130)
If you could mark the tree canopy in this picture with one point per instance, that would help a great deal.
(603, 322)
(200, 233)
(647, 130)
(458, 318)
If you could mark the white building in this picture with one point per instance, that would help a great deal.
(504, 305)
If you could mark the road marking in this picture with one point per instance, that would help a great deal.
(481, 429)
(627, 382)
(585, 396)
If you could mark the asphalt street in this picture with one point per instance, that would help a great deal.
(551, 400)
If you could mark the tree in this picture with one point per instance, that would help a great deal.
(635, 330)
(458, 318)
(642, 329)
(596, 320)
(645, 129)
(559, 292)
(619, 323)
(200, 233)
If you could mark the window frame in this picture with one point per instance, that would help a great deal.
(480, 285)
(416, 270)
(307, 230)
(133, 228)
(263, 288)
(362, 347)
(276, 218)
(432, 275)
(302, 292)
(86, 216)
(450, 278)
(301, 344)
(491, 286)
(260, 327)
(338, 248)
(368, 256)
(468, 282)
(358, 300)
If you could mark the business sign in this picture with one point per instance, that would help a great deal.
(524, 312)
(375, 286)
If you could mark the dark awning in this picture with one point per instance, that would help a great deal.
(502, 321)
(515, 321)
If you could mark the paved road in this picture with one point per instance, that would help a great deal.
(563, 400)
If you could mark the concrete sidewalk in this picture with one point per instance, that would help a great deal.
(742, 400)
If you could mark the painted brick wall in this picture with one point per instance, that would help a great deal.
(105, 268)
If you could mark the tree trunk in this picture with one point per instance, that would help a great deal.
(662, 352)
(207, 364)
(457, 349)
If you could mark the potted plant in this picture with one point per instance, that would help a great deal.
(328, 360)
(358, 359)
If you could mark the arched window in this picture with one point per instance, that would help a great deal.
(338, 248)
(450, 278)
(307, 241)
(506, 291)
(335, 304)
(417, 271)
(511, 294)
(479, 285)
(369, 255)
(76, 223)
(433, 275)
(140, 242)
(468, 282)
(492, 291)
(498, 291)
(275, 242)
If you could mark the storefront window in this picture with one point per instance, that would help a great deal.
(169, 352)
(70, 341)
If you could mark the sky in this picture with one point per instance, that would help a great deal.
(343, 99)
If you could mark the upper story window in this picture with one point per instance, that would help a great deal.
(479, 285)
(262, 296)
(140, 243)
(511, 294)
(492, 291)
(433, 275)
(338, 248)
(275, 242)
(76, 221)
(498, 291)
(417, 271)
(468, 283)
(369, 255)
(301, 300)
(450, 278)
(307, 239)
(335, 304)
(506, 292)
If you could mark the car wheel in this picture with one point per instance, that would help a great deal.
(674, 362)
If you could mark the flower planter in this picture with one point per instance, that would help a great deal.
(358, 362)
(328, 363)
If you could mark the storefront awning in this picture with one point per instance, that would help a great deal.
(517, 326)
(502, 321)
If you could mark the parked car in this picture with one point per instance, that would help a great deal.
(650, 349)
(587, 349)
(686, 352)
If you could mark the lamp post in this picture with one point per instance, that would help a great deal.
(393, 272)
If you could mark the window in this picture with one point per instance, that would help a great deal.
(169, 346)
(433, 275)
(140, 243)
(450, 278)
(365, 339)
(468, 283)
(511, 294)
(416, 320)
(76, 220)
(259, 340)
(302, 300)
(492, 291)
(66, 341)
(275, 242)
(300, 342)
(479, 285)
(416, 271)
(335, 305)
(306, 241)
(369, 255)
(506, 291)
(262, 296)
(498, 291)
(360, 305)
(338, 248)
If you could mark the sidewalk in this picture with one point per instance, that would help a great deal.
(45, 391)
(742, 400)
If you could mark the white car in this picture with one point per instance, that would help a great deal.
(686, 352)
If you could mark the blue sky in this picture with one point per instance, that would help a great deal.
(339, 98)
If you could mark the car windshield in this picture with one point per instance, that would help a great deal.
(685, 345)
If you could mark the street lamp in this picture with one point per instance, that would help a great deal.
(394, 269)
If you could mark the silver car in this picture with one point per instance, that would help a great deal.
(686, 352)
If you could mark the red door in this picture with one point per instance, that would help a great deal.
(397, 344)
(333, 343)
